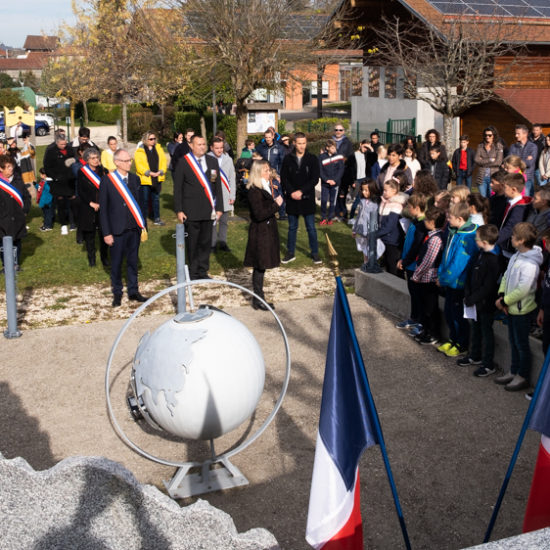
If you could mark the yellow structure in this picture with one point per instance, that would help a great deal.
(13, 116)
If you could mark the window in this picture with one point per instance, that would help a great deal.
(374, 81)
(390, 83)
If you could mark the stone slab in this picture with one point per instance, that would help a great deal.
(91, 503)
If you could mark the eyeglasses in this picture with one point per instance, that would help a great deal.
(123, 160)
(152, 139)
(488, 135)
(338, 129)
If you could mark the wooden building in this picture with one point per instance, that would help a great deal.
(523, 96)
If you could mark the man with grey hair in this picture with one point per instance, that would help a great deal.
(227, 175)
(122, 224)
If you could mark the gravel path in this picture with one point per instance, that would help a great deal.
(47, 307)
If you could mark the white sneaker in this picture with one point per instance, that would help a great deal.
(64, 230)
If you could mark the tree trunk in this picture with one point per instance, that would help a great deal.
(448, 134)
(124, 128)
(241, 126)
(71, 110)
(85, 110)
(320, 73)
(203, 127)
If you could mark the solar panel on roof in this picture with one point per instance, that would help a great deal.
(510, 8)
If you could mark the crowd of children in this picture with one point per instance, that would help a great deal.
(483, 255)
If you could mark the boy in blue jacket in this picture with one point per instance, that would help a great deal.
(452, 272)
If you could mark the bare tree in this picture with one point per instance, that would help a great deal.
(452, 68)
(252, 44)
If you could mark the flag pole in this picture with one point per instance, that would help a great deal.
(374, 413)
(519, 442)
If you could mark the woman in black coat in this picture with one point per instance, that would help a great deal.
(15, 203)
(262, 248)
(88, 179)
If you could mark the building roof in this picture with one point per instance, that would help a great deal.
(532, 104)
(295, 27)
(40, 43)
(527, 23)
(33, 61)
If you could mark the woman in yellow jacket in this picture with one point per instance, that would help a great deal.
(150, 161)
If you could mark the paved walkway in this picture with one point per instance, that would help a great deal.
(449, 435)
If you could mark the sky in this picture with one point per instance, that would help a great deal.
(22, 17)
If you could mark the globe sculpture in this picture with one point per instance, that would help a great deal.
(199, 375)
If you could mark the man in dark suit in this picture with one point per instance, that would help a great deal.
(121, 224)
(198, 201)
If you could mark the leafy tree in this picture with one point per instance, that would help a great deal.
(11, 98)
(6, 81)
(28, 78)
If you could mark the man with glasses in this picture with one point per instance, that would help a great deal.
(151, 169)
(344, 147)
(122, 223)
(83, 137)
(198, 202)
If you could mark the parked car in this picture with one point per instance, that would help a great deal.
(47, 117)
(41, 127)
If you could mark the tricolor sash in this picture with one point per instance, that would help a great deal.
(91, 175)
(201, 176)
(12, 191)
(225, 180)
(127, 197)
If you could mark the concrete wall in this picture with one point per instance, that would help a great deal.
(390, 294)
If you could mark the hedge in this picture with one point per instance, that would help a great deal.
(320, 125)
(109, 113)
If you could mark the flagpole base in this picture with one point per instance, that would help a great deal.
(213, 476)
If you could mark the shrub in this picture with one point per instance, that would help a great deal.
(320, 125)
(281, 126)
(139, 122)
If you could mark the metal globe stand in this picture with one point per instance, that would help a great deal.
(217, 472)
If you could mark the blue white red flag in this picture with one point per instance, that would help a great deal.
(537, 513)
(345, 431)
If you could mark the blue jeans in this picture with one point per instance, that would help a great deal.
(48, 211)
(293, 230)
(463, 179)
(518, 334)
(146, 191)
(459, 329)
(485, 187)
(529, 188)
(328, 194)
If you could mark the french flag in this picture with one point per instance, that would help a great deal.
(537, 513)
(345, 431)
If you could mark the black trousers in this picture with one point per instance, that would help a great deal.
(429, 308)
(89, 240)
(199, 243)
(258, 282)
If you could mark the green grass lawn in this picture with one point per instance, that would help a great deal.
(50, 259)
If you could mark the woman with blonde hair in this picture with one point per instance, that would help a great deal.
(262, 248)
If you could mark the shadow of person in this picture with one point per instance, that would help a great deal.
(29, 245)
(20, 434)
(109, 508)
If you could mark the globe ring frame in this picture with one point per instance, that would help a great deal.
(226, 455)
